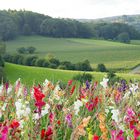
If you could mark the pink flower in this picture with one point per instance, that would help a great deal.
(4, 133)
(115, 135)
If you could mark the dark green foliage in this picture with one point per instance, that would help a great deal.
(54, 62)
(28, 50)
(83, 77)
(113, 78)
(31, 49)
(40, 62)
(67, 65)
(1, 61)
(29, 60)
(83, 66)
(101, 68)
(22, 50)
(123, 37)
(13, 23)
(2, 75)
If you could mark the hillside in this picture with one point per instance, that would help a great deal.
(30, 75)
(133, 20)
(112, 54)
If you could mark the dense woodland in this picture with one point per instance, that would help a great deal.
(14, 23)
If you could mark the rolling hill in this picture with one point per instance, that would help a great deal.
(112, 54)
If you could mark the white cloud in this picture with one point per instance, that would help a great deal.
(75, 8)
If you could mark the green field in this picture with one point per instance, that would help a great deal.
(30, 75)
(112, 54)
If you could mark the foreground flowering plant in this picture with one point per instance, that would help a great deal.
(92, 111)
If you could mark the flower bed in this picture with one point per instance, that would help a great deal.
(92, 111)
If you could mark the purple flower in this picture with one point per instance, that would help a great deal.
(68, 120)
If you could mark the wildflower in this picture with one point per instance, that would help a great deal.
(4, 133)
(95, 137)
(68, 119)
(117, 135)
(47, 134)
(115, 115)
(87, 85)
(15, 124)
(70, 82)
(45, 110)
(72, 89)
(77, 105)
(104, 83)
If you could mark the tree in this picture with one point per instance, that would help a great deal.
(101, 68)
(26, 29)
(31, 49)
(22, 50)
(83, 66)
(124, 37)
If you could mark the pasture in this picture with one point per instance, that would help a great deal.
(112, 54)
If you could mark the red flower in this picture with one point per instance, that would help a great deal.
(70, 82)
(38, 94)
(95, 137)
(42, 133)
(72, 89)
(89, 106)
(51, 117)
(58, 122)
(15, 124)
(47, 134)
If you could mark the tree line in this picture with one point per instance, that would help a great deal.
(2, 51)
(14, 23)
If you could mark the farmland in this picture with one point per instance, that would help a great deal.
(112, 54)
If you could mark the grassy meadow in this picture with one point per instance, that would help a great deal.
(112, 54)
(30, 75)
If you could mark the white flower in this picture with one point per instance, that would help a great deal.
(104, 83)
(138, 103)
(134, 87)
(46, 110)
(57, 89)
(46, 82)
(36, 116)
(1, 89)
(77, 106)
(19, 92)
(126, 95)
(115, 115)
(9, 89)
(4, 106)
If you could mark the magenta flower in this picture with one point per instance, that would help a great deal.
(115, 135)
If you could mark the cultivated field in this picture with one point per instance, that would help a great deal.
(112, 54)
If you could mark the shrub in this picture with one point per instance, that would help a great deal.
(83, 77)
(31, 49)
(29, 60)
(83, 66)
(113, 78)
(101, 68)
(40, 62)
(2, 75)
(22, 50)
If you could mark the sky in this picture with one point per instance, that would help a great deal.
(77, 9)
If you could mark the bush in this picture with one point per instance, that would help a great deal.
(101, 68)
(40, 62)
(124, 37)
(54, 61)
(29, 61)
(83, 77)
(22, 50)
(2, 75)
(67, 65)
(113, 78)
(1, 62)
(31, 49)
(83, 66)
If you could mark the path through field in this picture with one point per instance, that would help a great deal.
(136, 70)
